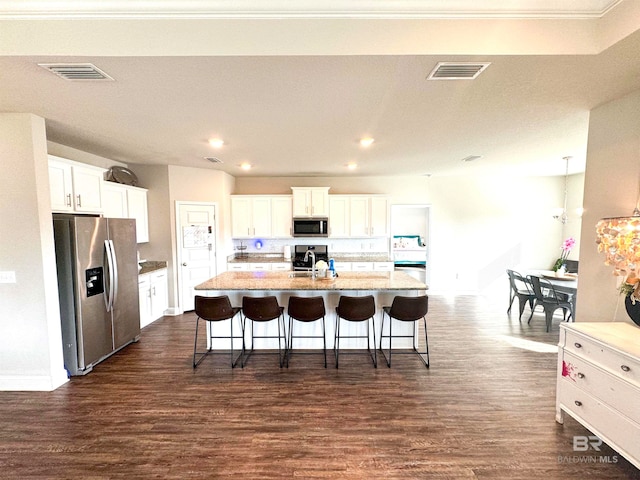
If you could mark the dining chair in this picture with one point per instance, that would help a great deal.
(549, 299)
(519, 287)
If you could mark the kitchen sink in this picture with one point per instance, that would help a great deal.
(300, 274)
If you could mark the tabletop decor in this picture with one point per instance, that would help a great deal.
(567, 246)
(619, 239)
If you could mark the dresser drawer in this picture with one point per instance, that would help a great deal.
(612, 390)
(612, 360)
(616, 430)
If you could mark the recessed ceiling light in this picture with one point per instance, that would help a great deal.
(216, 142)
(352, 165)
(245, 166)
(366, 142)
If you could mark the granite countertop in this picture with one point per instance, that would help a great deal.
(374, 281)
(151, 266)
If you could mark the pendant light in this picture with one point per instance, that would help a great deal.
(563, 217)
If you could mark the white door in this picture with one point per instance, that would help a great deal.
(196, 248)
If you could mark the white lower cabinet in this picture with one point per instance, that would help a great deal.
(598, 382)
(281, 267)
(362, 266)
(383, 266)
(154, 296)
(238, 267)
(342, 266)
(258, 266)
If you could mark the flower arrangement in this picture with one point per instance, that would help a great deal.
(567, 246)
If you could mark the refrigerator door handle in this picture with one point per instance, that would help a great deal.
(111, 284)
(116, 280)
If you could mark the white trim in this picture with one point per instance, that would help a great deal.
(269, 9)
(33, 383)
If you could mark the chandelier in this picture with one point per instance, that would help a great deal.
(619, 239)
(563, 217)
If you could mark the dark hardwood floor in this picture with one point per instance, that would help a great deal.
(484, 410)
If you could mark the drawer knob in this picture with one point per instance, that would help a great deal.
(577, 345)
(580, 375)
(578, 403)
(625, 368)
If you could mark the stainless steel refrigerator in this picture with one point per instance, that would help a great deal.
(97, 267)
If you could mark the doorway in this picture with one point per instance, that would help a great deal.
(412, 221)
(196, 245)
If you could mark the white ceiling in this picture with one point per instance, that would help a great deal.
(293, 96)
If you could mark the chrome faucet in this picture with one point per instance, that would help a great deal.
(313, 262)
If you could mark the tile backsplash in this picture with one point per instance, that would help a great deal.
(335, 245)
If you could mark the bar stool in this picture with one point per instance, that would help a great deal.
(306, 309)
(215, 309)
(356, 309)
(264, 309)
(406, 309)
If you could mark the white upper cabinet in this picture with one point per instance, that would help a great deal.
(358, 216)
(75, 187)
(123, 201)
(379, 216)
(261, 216)
(281, 215)
(310, 201)
(242, 217)
(339, 216)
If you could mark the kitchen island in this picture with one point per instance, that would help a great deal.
(382, 285)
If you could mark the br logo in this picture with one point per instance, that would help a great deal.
(582, 443)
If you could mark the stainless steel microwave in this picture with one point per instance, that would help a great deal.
(311, 227)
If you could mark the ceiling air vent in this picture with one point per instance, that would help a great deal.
(457, 71)
(76, 71)
(213, 159)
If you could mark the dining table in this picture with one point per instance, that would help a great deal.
(562, 283)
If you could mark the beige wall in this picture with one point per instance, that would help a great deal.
(30, 338)
(479, 225)
(200, 185)
(611, 187)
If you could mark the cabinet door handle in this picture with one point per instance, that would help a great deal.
(580, 375)
(625, 368)
(577, 345)
(79, 200)
(578, 403)
(68, 199)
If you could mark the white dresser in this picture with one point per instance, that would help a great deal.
(599, 382)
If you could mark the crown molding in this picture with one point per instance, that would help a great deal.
(458, 9)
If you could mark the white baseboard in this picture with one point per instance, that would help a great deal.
(172, 312)
(33, 383)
